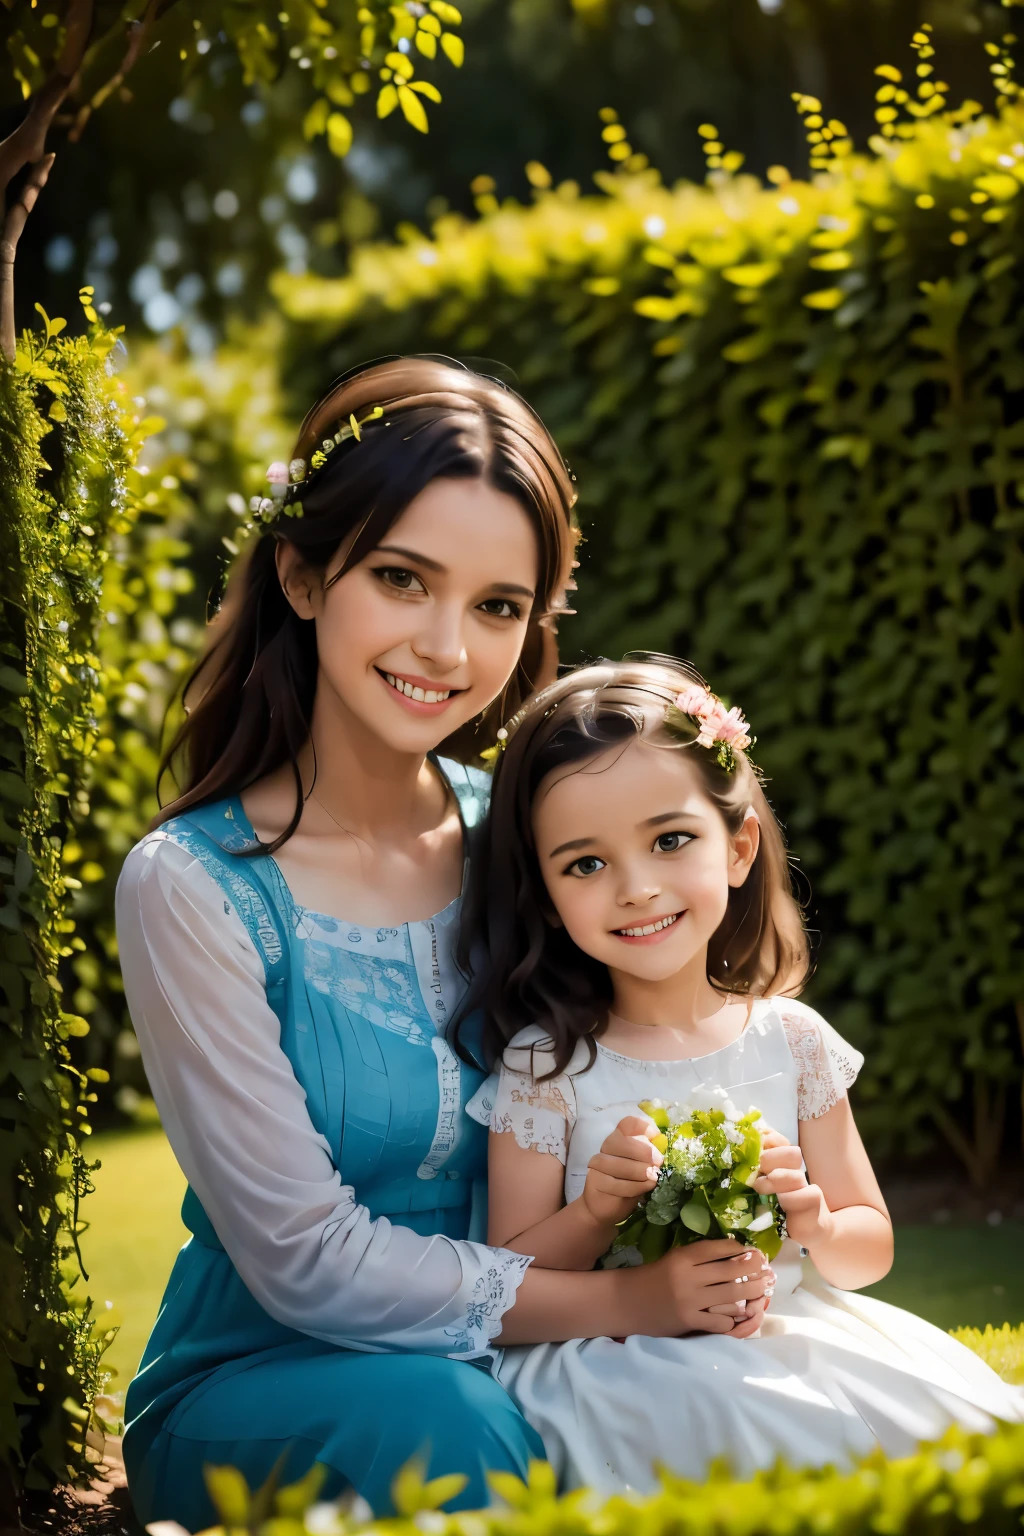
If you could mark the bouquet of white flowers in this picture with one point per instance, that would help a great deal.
(711, 1153)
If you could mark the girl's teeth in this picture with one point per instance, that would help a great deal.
(642, 933)
(422, 695)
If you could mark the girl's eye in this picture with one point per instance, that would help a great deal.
(671, 842)
(589, 864)
(500, 608)
(397, 577)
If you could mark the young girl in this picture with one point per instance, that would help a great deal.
(645, 943)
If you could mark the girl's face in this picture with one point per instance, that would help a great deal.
(637, 859)
(425, 632)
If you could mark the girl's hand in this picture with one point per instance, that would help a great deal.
(782, 1173)
(625, 1169)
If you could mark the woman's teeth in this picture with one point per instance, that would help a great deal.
(421, 695)
(642, 933)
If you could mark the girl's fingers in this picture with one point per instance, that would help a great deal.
(637, 1148)
(624, 1168)
(786, 1156)
(784, 1181)
(623, 1189)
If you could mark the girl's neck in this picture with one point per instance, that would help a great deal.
(681, 1002)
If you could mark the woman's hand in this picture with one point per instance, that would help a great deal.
(808, 1218)
(676, 1294)
(625, 1169)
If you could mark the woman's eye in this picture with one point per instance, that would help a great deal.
(671, 842)
(500, 608)
(589, 864)
(400, 579)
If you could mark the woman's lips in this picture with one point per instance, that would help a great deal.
(418, 694)
(648, 933)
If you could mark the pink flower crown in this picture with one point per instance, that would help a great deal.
(723, 731)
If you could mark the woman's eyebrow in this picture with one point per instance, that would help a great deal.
(578, 842)
(413, 555)
(416, 558)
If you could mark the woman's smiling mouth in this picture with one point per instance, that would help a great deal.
(649, 932)
(417, 693)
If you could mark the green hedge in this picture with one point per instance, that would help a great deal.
(796, 414)
(68, 437)
(220, 426)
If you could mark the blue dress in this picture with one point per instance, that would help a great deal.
(224, 1380)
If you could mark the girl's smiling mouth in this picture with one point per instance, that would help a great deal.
(649, 933)
(418, 693)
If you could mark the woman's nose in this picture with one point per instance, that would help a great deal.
(441, 641)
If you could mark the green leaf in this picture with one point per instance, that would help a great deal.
(696, 1216)
(339, 134)
(229, 1492)
(387, 101)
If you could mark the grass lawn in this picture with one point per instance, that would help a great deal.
(951, 1275)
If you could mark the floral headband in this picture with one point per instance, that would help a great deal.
(722, 731)
(287, 481)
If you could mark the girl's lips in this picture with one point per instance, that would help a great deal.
(395, 683)
(669, 921)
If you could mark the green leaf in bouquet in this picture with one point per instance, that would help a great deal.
(654, 1243)
(696, 1215)
(664, 1201)
(733, 1207)
(768, 1242)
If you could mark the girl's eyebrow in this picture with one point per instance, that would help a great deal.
(656, 821)
(442, 570)
(579, 842)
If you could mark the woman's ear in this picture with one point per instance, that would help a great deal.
(744, 846)
(299, 582)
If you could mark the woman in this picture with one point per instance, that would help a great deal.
(287, 940)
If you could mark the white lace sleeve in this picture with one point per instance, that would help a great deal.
(827, 1066)
(540, 1114)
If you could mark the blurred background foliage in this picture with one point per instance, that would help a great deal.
(823, 478)
(178, 203)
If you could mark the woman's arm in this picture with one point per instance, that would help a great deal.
(526, 1204)
(237, 1120)
(835, 1209)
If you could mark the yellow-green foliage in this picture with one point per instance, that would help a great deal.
(1001, 1348)
(69, 436)
(221, 428)
(795, 414)
(964, 1482)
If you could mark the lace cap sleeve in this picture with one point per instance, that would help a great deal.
(827, 1066)
(539, 1114)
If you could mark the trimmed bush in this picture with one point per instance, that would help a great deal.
(220, 428)
(963, 1483)
(795, 414)
(68, 438)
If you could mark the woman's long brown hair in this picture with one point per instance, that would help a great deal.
(534, 973)
(250, 697)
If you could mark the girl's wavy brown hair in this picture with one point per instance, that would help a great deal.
(534, 973)
(249, 699)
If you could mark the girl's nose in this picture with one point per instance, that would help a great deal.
(441, 641)
(638, 887)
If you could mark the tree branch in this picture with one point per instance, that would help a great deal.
(138, 33)
(27, 146)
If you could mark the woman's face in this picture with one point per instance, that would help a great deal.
(425, 632)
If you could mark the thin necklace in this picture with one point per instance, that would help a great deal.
(337, 823)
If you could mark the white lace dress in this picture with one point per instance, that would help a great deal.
(832, 1374)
